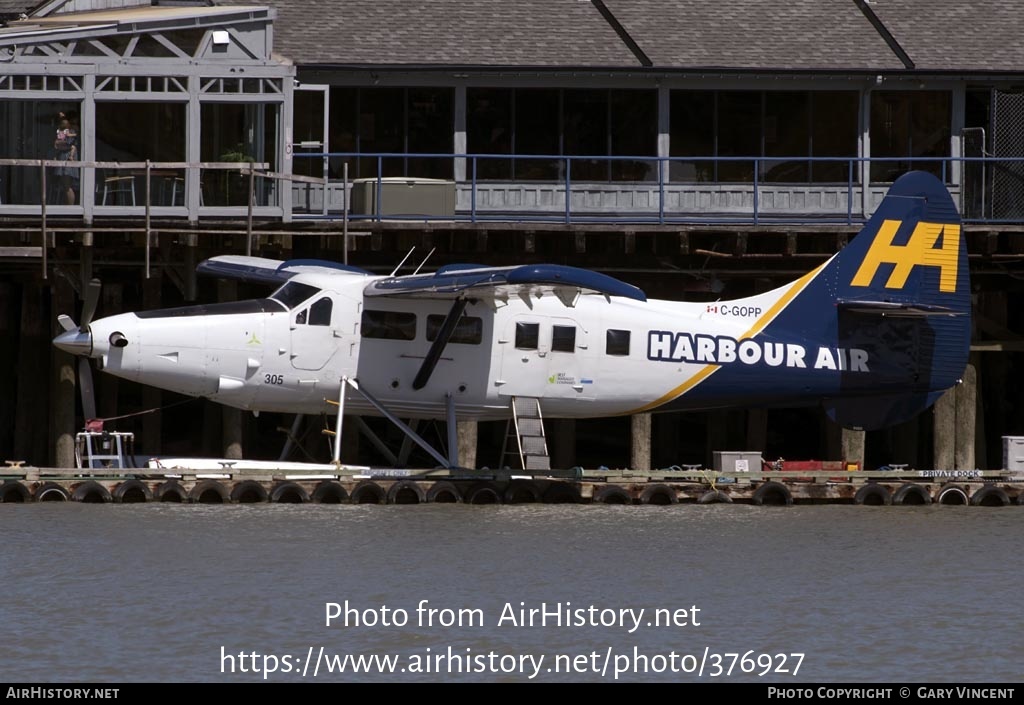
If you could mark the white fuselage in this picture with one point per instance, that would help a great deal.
(584, 360)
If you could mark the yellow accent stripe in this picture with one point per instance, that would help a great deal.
(758, 326)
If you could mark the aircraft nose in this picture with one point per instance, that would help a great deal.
(75, 342)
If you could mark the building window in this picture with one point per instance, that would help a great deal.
(238, 132)
(781, 128)
(489, 131)
(555, 122)
(135, 132)
(468, 331)
(616, 342)
(28, 130)
(739, 129)
(527, 335)
(563, 339)
(371, 120)
(909, 124)
(389, 325)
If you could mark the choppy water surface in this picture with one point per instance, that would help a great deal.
(118, 593)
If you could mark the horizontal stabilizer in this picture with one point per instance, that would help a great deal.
(893, 308)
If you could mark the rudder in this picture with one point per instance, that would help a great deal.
(902, 290)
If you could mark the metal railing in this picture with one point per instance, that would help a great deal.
(120, 185)
(575, 189)
(854, 195)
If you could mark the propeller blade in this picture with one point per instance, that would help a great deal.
(85, 386)
(92, 298)
(66, 323)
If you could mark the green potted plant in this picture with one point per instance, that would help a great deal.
(235, 183)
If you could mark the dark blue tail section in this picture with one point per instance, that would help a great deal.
(902, 295)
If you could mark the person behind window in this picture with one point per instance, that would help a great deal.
(66, 146)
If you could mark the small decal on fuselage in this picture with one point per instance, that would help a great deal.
(668, 346)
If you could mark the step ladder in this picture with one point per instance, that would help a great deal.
(527, 428)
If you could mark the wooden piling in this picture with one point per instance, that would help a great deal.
(63, 385)
(467, 433)
(640, 448)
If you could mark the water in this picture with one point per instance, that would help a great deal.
(124, 593)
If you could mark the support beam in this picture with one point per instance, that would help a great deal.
(30, 424)
(966, 416)
(8, 366)
(757, 429)
(640, 442)
(944, 434)
(561, 442)
(231, 433)
(375, 440)
(232, 444)
(152, 398)
(852, 444)
(62, 389)
(111, 302)
(468, 432)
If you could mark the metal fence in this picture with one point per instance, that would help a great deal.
(575, 189)
(626, 189)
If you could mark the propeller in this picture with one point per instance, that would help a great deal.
(77, 340)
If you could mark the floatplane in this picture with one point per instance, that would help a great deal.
(874, 336)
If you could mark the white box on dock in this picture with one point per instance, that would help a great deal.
(736, 460)
(1013, 453)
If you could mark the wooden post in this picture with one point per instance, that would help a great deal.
(561, 442)
(111, 297)
(966, 407)
(757, 429)
(62, 389)
(248, 218)
(905, 442)
(42, 214)
(468, 431)
(944, 435)
(231, 423)
(640, 448)
(30, 424)
(147, 217)
(152, 398)
(853, 446)
(231, 418)
(8, 367)
(717, 434)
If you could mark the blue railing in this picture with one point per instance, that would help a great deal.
(853, 197)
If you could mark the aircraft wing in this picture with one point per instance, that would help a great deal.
(526, 281)
(260, 270)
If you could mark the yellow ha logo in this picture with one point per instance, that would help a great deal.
(920, 250)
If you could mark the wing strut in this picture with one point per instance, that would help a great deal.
(440, 342)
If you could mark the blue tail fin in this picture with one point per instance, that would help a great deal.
(902, 293)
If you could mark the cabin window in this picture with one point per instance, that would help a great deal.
(390, 325)
(563, 339)
(320, 313)
(300, 318)
(293, 293)
(527, 335)
(616, 342)
(468, 331)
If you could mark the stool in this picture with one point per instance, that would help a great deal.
(178, 189)
(120, 188)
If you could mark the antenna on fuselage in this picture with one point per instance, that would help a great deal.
(424, 261)
(395, 270)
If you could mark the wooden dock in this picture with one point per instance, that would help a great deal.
(345, 485)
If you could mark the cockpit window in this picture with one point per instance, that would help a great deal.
(293, 293)
(320, 313)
